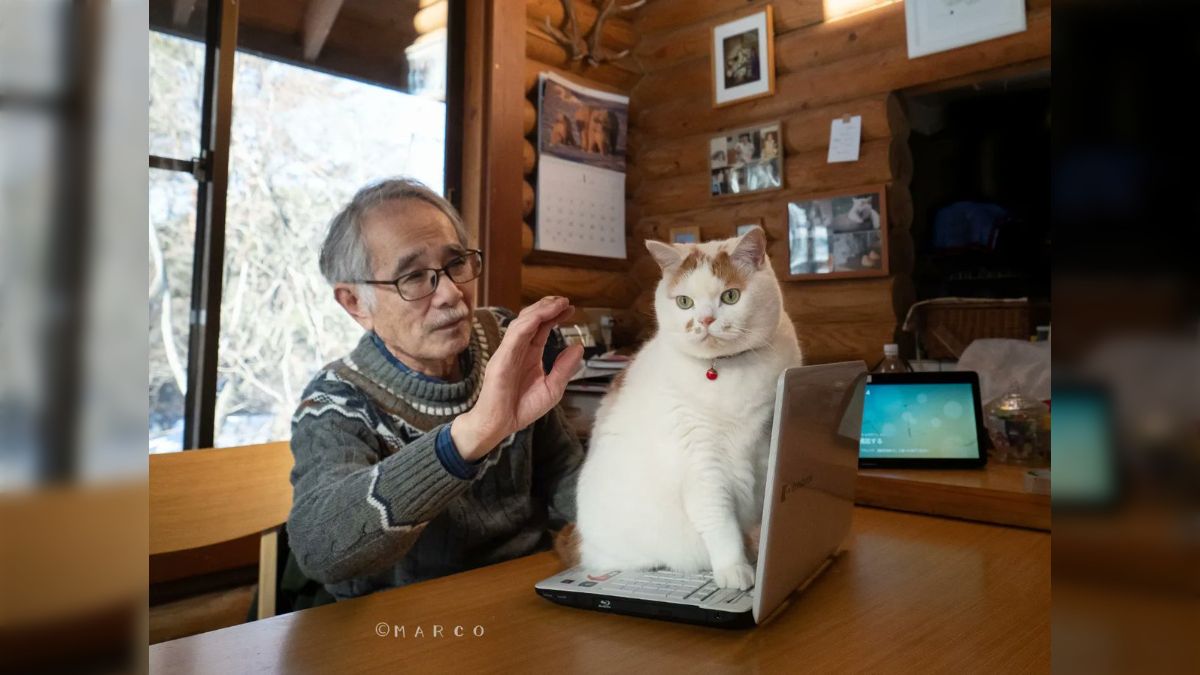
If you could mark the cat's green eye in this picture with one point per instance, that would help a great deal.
(683, 301)
(731, 296)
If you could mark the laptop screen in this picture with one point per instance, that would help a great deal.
(918, 421)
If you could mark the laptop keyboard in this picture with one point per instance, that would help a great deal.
(665, 585)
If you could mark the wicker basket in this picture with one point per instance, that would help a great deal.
(945, 326)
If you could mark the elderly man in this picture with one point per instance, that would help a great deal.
(436, 445)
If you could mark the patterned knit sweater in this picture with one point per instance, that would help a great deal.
(375, 506)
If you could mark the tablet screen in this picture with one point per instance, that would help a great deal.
(1085, 461)
(919, 421)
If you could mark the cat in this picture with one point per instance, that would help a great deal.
(861, 216)
(741, 64)
(675, 473)
(854, 251)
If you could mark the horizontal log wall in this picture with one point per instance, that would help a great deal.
(583, 284)
(824, 68)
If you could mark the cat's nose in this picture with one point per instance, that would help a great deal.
(707, 320)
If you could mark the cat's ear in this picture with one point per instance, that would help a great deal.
(751, 249)
(666, 255)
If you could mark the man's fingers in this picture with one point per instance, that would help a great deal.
(542, 301)
(519, 329)
(532, 328)
(524, 331)
(526, 325)
(563, 315)
(564, 367)
(543, 333)
(541, 305)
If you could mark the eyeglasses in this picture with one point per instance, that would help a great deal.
(423, 282)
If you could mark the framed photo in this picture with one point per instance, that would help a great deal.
(746, 160)
(685, 235)
(743, 58)
(747, 226)
(938, 25)
(838, 235)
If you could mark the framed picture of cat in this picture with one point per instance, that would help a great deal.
(743, 58)
(832, 236)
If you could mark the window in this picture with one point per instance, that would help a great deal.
(172, 231)
(176, 74)
(305, 134)
(303, 143)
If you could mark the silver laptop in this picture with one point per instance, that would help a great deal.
(811, 470)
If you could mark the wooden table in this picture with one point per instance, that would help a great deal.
(994, 494)
(911, 593)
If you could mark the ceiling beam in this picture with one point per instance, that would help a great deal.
(318, 20)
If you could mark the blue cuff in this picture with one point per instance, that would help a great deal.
(447, 454)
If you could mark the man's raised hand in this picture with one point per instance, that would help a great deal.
(516, 391)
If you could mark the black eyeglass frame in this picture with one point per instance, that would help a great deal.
(437, 277)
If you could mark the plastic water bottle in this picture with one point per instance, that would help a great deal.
(892, 363)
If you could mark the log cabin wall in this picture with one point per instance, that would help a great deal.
(584, 284)
(832, 57)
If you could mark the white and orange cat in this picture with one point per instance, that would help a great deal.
(675, 471)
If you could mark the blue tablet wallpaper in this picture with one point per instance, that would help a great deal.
(919, 421)
(1085, 462)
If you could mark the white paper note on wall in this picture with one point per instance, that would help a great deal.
(845, 136)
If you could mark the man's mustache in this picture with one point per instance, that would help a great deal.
(450, 319)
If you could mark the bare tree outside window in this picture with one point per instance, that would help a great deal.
(176, 69)
(303, 142)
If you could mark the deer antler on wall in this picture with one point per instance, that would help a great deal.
(588, 49)
(576, 47)
(596, 53)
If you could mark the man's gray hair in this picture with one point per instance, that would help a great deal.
(344, 256)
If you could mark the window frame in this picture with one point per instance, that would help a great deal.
(211, 171)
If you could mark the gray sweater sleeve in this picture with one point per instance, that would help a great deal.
(558, 457)
(356, 510)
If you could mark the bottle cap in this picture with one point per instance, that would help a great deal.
(891, 350)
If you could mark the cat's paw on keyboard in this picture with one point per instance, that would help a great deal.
(737, 575)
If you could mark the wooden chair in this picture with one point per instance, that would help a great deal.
(203, 497)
